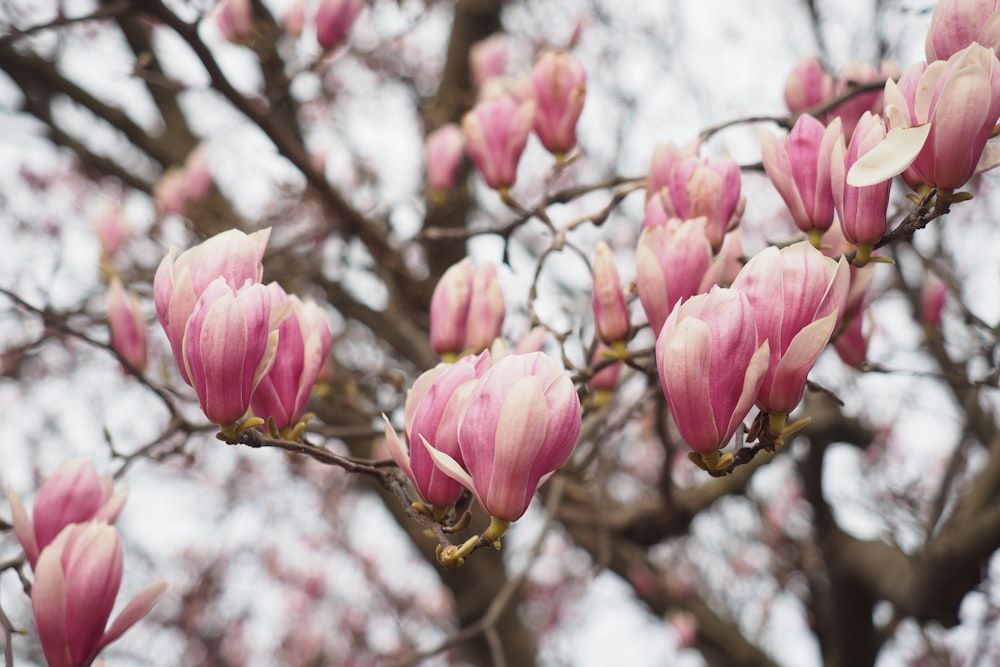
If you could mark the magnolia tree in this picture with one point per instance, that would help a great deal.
(487, 333)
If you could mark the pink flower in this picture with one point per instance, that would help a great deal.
(496, 132)
(75, 493)
(932, 297)
(443, 156)
(235, 19)
(112, 230)
(610, 308)
(467, 309)
(295, 18)
(799, 168)
(433, 407)
(808, 84)
(606, 379)
(861, 210)
(666, 157)
(334, 20)
(180, 280)
(488, 59)
(956, 24)
(76, 582)
(520, 423)
(671, 263)
(229, 346)
(851, 343)
(960, 99)
(706, 188)
(560, 86)
(798, 297)
(850, 111)
(304, 341)
(711, 366)
(128, 325)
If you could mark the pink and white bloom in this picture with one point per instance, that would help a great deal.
(467, 309)
(431, 414)
(798, 297)
(610, 308)
(128, 325)
(235, 19)
(799, 168)
(112, 230)
(706, 188)
(666, 157)
(671, 263)
(559, 84)
(956, 24)
(862, 210)
(960, 100)
(181, 279)
(75, 493)
(77, 578)
(334, 20)
(488, 59)
(933, 294)
(850, 111)
(496, 132)
(851, 343)
(808, 84)
(304, 341)
(520, 423)
(711, 365)
(442, 157)
(229, 345)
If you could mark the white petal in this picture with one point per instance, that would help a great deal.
(890, 157)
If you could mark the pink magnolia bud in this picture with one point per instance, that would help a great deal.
(960, 99)
(450, 308)
(606, 379)
(533, 341)
(128, 325)
(235, 20)
(850, 111)
(560, 86)
(229, 345)
(799, 168)
(112, 230)
(295, 19)
(670, 263)
(467, 309)
(488, 59)
(180, 280)
(709, 189)
(861, 210)
(519, 425)
(711, 366)
(956, 24)
(610, 309)
(666, 158)
(75, 493)
(169, 193)
(851, 343)
(798, 297)
(486, 309)
(443, 156)
(808, 85)
(334, 20)
(304, 341)
(433, 408)
(932, 298)
(76, 582)
(496, 132)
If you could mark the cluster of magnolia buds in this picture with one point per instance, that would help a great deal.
(333, 20)
(240, 344)
(494, 133)
(498, 425)
(721, 350)
(76, 555)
